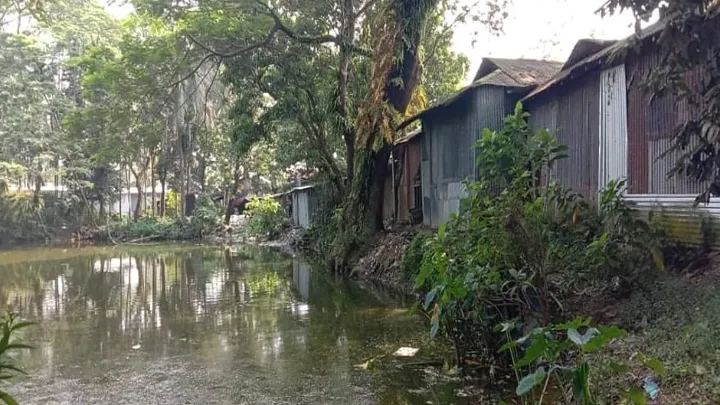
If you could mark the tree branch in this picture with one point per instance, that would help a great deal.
(365, 8)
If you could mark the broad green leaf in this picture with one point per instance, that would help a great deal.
(574, 324)
(528, 382)
(18, 346)
(606, 335)
(655, 365)
(534, 352)
(21, 325)
(636, 396)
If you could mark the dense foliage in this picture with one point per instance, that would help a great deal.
(265, 217)
(520, 244)
(214, 99)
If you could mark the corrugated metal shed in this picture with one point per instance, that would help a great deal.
(449, 154)
(572, 112)
(303, 205)
(608, 56)
(452, 128)
(520, 75)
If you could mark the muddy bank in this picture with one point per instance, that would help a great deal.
(381, 264)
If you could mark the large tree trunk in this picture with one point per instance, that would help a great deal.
(392, 87)
(363, 206)
(140, 195)
(233, 194)
(36, 192)
(101, 210)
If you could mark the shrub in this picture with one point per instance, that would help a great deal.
(156, 229)
(569, 355)
(207, 214)
(266, 217)
(413, 255)
(520, 244)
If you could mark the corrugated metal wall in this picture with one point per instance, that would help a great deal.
(411, 157)
(449, 148)
(303, 205)
(680, 218)
(650, 129)
(613, 126)
(660, 166)
(572, 111)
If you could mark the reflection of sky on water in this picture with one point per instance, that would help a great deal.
(111, 316)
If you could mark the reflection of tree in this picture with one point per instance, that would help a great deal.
(213, 299)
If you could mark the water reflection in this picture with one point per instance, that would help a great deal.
(199, 325)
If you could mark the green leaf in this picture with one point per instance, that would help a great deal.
(5, 397)
(574, 324)
(530, 381)
(21, 325)
(655, 365)
(11, 367)
(636, 396)
(535, 351)
(606, 335)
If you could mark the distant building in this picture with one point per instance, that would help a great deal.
(303, 205)
(452, 128)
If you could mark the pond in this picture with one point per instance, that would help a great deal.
(207, 325)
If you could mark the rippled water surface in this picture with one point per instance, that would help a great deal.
(193, 325)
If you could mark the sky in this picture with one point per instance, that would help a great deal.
(535, 29)
(540, 29)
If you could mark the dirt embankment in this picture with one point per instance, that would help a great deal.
(382, 261)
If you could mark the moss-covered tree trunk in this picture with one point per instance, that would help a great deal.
(394, 78)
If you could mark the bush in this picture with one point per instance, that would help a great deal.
(156, 229)
(266, 217)
(519, 245)
(413, 255)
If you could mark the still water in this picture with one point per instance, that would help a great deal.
(194, 325)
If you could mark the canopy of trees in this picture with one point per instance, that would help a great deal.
(207, 96)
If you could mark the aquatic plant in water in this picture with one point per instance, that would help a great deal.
(10, 325)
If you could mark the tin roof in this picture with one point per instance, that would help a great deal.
(511, 73)
(408, 137)
(522, 72)
(605, 55)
